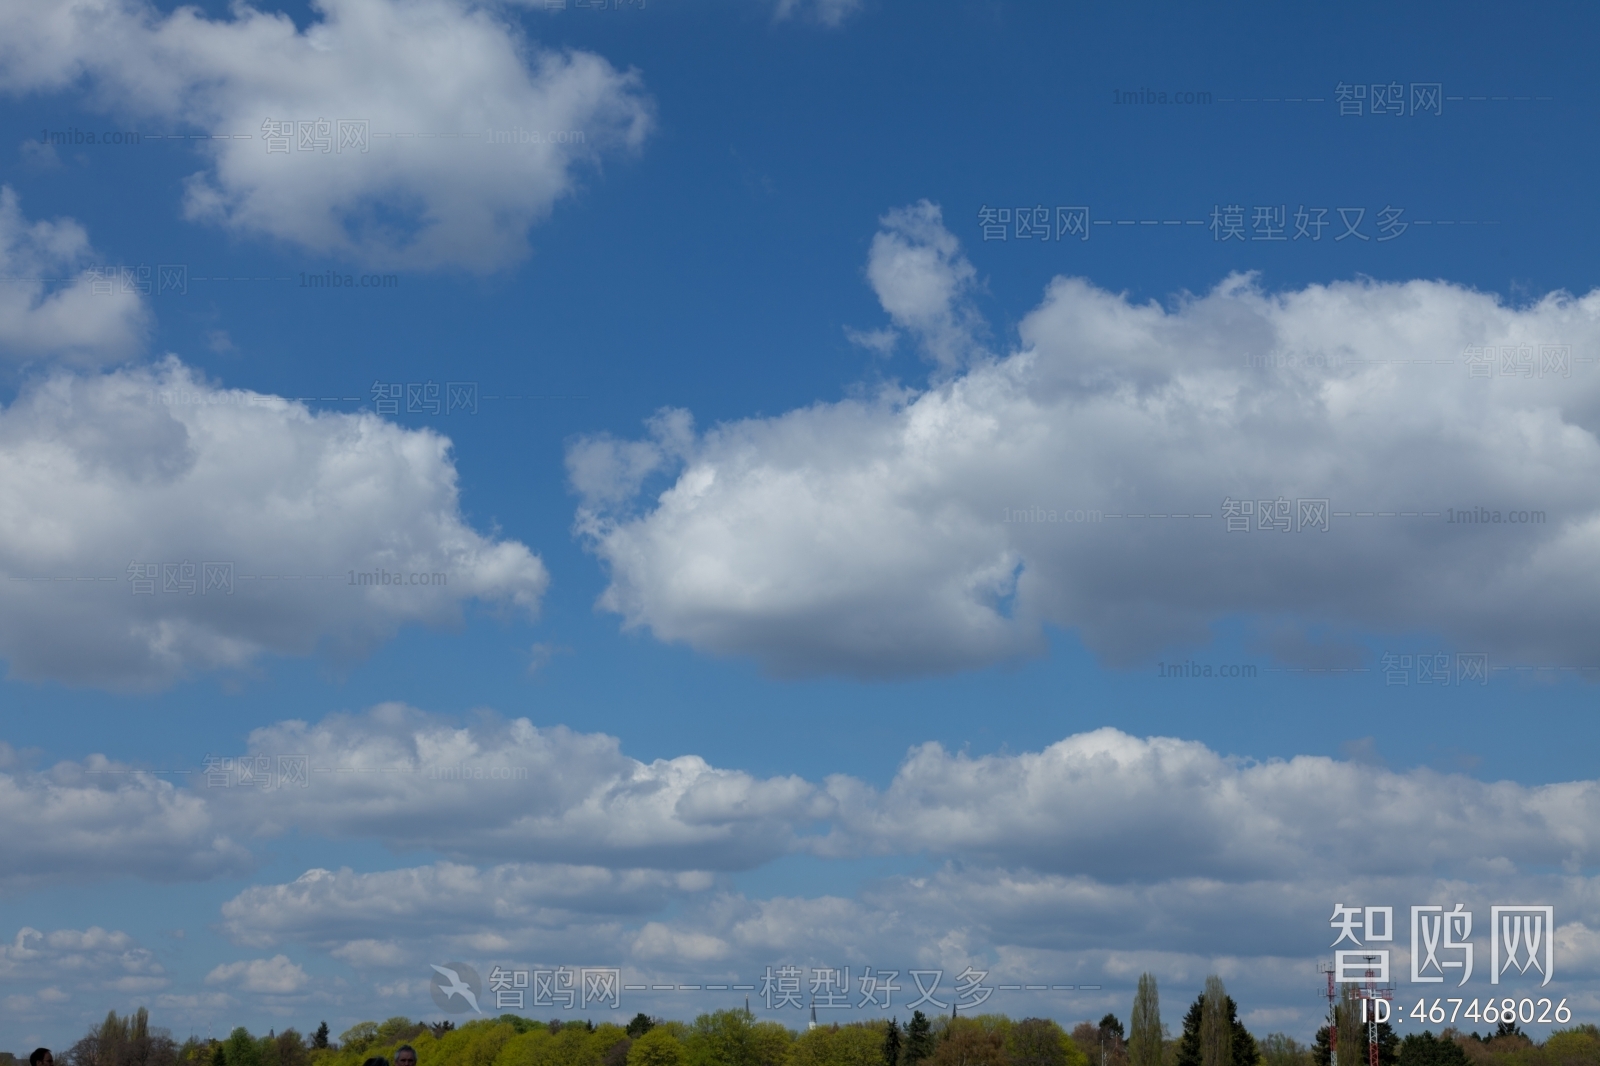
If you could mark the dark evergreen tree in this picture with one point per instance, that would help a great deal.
(320, 1038)
(919, 1039)
(891, 1043)
(1425, 1049)
(1243, 1050)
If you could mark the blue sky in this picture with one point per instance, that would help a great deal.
(760, 395)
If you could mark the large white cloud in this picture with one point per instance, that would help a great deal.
(498, 791)
(52, 307)
(1119, 808)
(96, 820)
(429, 78)
(1089, 861)
(913, 533)
(155, 468)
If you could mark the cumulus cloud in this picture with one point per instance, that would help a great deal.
(925, 285)
(207, 486)
(1101, 842)
(1080, 482)
(1089, 861)
(99, 819)
(41, 965)
(355, 916)
(472, 132)
(49, 304)
(1119, 808)
(277, 975)
(504, 791)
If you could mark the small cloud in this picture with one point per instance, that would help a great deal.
(38, 155)
(880, 341)
(830, 13)
(276, 974)
(203, 1001)
(368, 953)
(219, 341)
(137, 985)
(539, 656)
(1363, 751)
(53, 995)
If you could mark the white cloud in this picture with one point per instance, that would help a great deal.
(277, 975)
(500, 791)
(1089, 861)
(1118, 808)
(49, 306)
(430, 78)
(296, 503)
(1101, 842)
(829, 13)
(926, 285)
(947, 529)
(513, 906)
(198, 1002)
(89, 960)
(99, 820)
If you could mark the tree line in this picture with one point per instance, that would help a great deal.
(1211, 1035)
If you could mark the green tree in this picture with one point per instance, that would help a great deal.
(354, 1040)
(398, 1030)
(1041, 1042)
(642, 1023)
(241, 1049)
(853, 1044)
(1578, 1046)
(919, 1039)
(292, 1049)
(1144, 1044)
(656, 1046)
(891, 1043)
(1425, 1049)
(733, 1038)
(320, 1038)
(1281, 1049)
(1242, 1049)
(1216, 1028)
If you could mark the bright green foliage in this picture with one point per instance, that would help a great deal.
(1579, 1046)
(855, 1044)
(1041, 1042)
(658, 1046)
(358, 1038)
(734, 1038)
